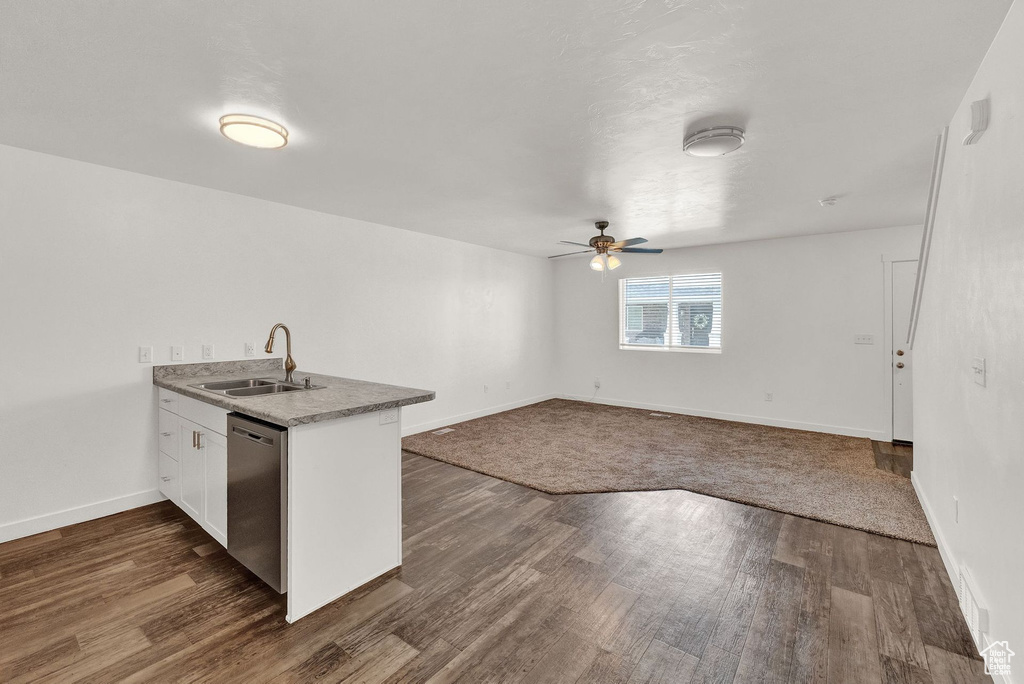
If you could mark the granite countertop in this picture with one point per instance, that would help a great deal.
(339, 398)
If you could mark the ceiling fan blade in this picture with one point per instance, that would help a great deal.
(636, 250)
(627, 243)
(578, 244)
(582, 251)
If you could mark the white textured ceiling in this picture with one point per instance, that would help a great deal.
(511, 124)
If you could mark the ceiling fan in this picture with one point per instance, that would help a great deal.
(606, 248)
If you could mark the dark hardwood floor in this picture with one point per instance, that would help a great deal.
(500, 584)
(896, 458)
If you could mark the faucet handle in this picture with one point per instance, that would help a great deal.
(308, 381)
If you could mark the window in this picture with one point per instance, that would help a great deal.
(682, 312)
(634, 318)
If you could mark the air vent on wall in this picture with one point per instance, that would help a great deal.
(970, 605)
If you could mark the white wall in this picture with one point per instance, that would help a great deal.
(969, 440)
(791, 308)
(95, 262)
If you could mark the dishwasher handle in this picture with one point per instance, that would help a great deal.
(255, 437)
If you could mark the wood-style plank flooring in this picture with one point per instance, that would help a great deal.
(500, 584)
(896, 458)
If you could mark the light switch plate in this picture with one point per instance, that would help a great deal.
(863, 339)
(389, 416)
(207, 352)
(177, 353)
(978, 366)
(145, 355)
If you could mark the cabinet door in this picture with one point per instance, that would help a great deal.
(167, 436)
(192, 471)
(215, 503)
(170, 478)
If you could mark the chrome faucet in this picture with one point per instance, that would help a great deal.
(289, 363)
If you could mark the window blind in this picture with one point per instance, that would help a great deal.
(671, 312)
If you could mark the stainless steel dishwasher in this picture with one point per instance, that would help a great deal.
(257, 495)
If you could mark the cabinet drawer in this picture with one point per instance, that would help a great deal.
(168, 400)
(170, 478)
(207, 415)
(167, 437)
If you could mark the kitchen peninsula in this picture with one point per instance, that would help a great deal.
(340, 475)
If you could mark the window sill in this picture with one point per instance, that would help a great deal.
(691, 350)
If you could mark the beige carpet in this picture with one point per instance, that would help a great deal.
(563, 447)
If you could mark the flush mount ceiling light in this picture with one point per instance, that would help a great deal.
(713, 142)
(254, 131)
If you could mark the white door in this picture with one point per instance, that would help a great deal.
(904, 273)
(215, 492)
(192, 471)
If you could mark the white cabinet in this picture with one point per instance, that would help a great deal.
(192, 470)
(194, 460)
(169, 468)
(215, 501)
(170, 478)
(168, 435)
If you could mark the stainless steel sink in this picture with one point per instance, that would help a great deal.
(254, 387)
(236, 384)
(264, 389)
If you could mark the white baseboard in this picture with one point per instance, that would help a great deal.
(435, 424)
(946, 554)
(72, 516)
(880, 435)
(940, 541)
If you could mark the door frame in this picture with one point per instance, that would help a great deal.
(887, 346)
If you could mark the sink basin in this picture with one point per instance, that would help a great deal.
(264, 389)
(254, 387)
(235, 384)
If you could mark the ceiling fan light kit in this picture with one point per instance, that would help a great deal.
(714, 142)
(606, 247)
(605, 262)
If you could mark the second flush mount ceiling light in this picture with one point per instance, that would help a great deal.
(254, 131)
(713, 142)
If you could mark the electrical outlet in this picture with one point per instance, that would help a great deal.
(207, 352)
(863, 339)
(597, 383)
(768, 396)
(389, 416)
(177, 353)
(508, 384)
(250, 349)
(145, 355)
(486, 389)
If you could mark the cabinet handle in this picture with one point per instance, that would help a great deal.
(194, 433)
(166, 434)
(165, 479)
(166, 401)
(199, 440)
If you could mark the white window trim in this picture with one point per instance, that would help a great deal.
(662, 348)
(657, 347)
